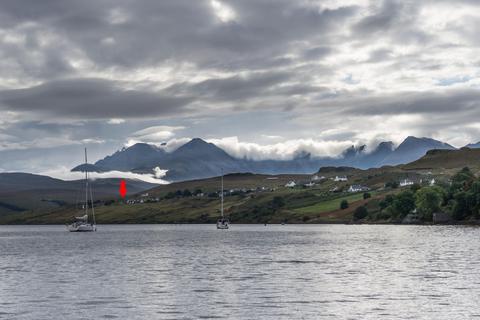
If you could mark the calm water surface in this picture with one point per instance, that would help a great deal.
(248, 272)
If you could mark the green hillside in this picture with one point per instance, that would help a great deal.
(447, 160)
(250, 198)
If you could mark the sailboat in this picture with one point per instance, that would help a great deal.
(82, 224)
(223, 222)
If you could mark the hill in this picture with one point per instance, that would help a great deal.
(250, 198)
(23, 191)
(447, 159)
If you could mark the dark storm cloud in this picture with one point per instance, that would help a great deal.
(91, 99)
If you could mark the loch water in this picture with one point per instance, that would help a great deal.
(247, 272)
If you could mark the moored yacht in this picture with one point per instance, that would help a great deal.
(223, 222)
(82, 224)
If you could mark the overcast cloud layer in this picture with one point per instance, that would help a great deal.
(263, 79)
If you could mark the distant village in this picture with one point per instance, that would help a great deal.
(312, 182)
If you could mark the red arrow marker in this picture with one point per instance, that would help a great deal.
(123, 188)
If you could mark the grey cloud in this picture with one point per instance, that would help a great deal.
(238, 87)
(453, 102)
(317, 52)
(382, 20)
(395, 20)
(380, 55)
(154, 31)
(284, 56)
(92, 99)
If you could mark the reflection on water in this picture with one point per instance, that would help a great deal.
(247, 272)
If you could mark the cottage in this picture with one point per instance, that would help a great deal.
(290, 184)
(309, 185)
(317, 178)
(406, 182)
(340, 178)
(357, 188)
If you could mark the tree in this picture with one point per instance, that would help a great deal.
(197, 192)
(344, 204)
(460, 208)
(415, 187)
(366, 195)
(404, 203)
(392, 184)
(428, 201)
(278, 202)
(186, 193)
(462, 180)
(360, 213)
(170, 195)
(386, 202)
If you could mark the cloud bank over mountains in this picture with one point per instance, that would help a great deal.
(262, 79)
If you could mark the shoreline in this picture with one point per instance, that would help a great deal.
(458, 223)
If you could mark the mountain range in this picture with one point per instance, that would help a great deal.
(200, 159)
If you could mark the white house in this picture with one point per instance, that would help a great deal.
(406, 182)
(357, 188)
(309, 185)
(317, 178)
(432, 182)
(340, 178)
(290, 184)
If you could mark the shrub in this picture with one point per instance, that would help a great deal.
(278, 202)
(392, 184)
(404, 203)
(428, 201)
(366, 195)
(360, 213)
(344, 204)
(415, 187)
(387, 201)
(170, 195)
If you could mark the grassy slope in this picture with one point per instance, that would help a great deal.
(447, 160)
(301, 205)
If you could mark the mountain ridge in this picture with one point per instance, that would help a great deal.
(201, 159)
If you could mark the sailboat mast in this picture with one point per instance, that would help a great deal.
(222, 194)
(86, 184)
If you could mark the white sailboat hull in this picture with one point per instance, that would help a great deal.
(83, 227)
(222, 224)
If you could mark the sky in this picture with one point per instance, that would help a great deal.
(262, 79)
